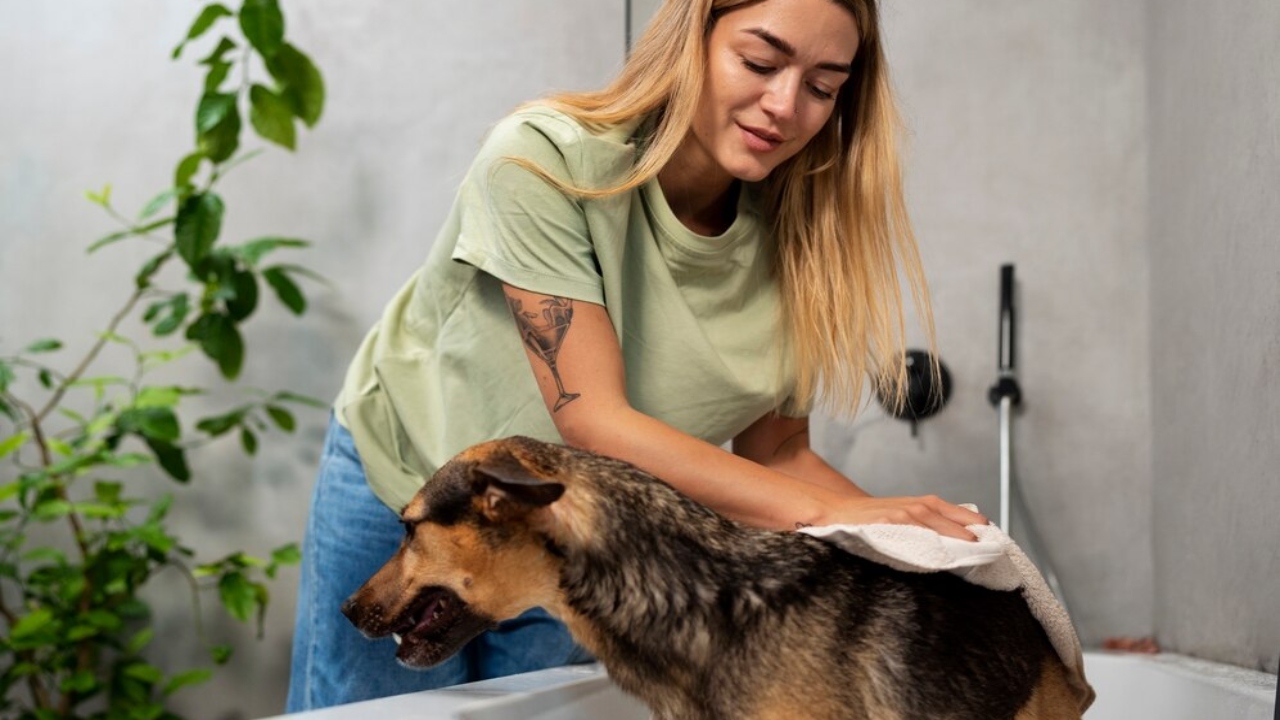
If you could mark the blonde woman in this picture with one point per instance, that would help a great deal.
(693, 256)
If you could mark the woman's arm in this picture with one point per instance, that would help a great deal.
(576, 359)
(782, 443)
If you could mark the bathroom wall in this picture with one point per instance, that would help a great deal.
(90, 97)
(1026, 143)
(1214, 249)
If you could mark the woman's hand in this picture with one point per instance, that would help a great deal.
(782, 443)
(927, 511)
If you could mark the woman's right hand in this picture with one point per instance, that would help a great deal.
(928, 511)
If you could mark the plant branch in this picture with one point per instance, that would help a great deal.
(90, 357)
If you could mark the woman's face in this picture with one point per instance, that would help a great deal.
(773, 71)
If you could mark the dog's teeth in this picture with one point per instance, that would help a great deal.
(397, 638)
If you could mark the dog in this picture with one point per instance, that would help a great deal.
(700, 617)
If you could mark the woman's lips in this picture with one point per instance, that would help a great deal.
(759, 140)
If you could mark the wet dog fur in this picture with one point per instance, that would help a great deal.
(700, 617)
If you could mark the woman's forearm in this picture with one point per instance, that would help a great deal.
(734, 486)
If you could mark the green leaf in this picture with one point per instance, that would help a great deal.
(300, 83)
(283, 418)
(51, 510)
(151, 422)
(9, 490)
(251, 252)
(271, 117)
(286, 290)
(248, 441)
(32, 623)
(145, 672)
(199, 223)
(218, 126)
(213, 109)
(238, 595)
(13, 442)
(157, 203)
(220, 340)
(49, 555)
(148, 271)
(217, 74)
(107, 492)
(187, 169)
(128, 460)
(286, 555)
(160, 508)
(107, 240)
(244, 298)
(178, 306)
(171, 458)
(205, 20)
(99, 511)
(46, 378)
(263, 25)
(140, 640)
(190, 677)
(225, 45)
(47, 345)
(83, 681)
(287, 396)
(220, 653)
(220, 424)
(100, 198)
(60, 447)
(160, 396)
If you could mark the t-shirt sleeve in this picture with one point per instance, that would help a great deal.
(519, 228)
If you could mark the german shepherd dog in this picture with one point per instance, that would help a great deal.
(700, 617)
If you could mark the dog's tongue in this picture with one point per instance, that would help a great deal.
(430, 614)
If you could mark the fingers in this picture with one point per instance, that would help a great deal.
(928, 511)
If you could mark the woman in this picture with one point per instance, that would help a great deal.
(694, 255)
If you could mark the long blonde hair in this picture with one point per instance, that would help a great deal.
(839, 219)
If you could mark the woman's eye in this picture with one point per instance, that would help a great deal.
(756, 68)
(821, 93)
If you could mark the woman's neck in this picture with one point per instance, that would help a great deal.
(703, 197)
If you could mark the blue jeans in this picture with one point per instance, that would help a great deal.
(349, 535)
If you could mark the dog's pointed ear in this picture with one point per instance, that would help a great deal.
(510, 490)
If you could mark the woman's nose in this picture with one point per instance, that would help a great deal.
(781, 95)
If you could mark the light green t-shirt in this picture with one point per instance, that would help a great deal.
(696, 317)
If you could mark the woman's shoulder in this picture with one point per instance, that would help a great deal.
(535, 130)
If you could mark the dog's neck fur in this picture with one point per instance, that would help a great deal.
(648, 560)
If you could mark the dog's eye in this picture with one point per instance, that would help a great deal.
(408, 528)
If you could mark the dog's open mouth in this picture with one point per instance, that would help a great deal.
(435, 626)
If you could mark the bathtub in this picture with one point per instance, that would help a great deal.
(1130, 687)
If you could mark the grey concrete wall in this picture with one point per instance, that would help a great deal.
(1214, 79)
(90, 97)
(1027, 144)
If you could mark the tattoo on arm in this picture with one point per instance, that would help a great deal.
(544, 335)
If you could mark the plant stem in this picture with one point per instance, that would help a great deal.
(89, 358)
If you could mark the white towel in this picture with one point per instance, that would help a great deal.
(994, 560)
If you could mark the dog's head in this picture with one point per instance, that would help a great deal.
(476, 551)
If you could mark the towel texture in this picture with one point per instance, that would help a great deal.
(994, 560)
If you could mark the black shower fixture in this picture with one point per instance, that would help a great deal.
(926, 393)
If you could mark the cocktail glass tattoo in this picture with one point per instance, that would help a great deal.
(545, 338)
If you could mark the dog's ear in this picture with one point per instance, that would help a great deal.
(510, 491)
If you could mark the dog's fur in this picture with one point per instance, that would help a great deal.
(700, 617)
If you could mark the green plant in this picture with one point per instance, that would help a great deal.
(76, 545)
